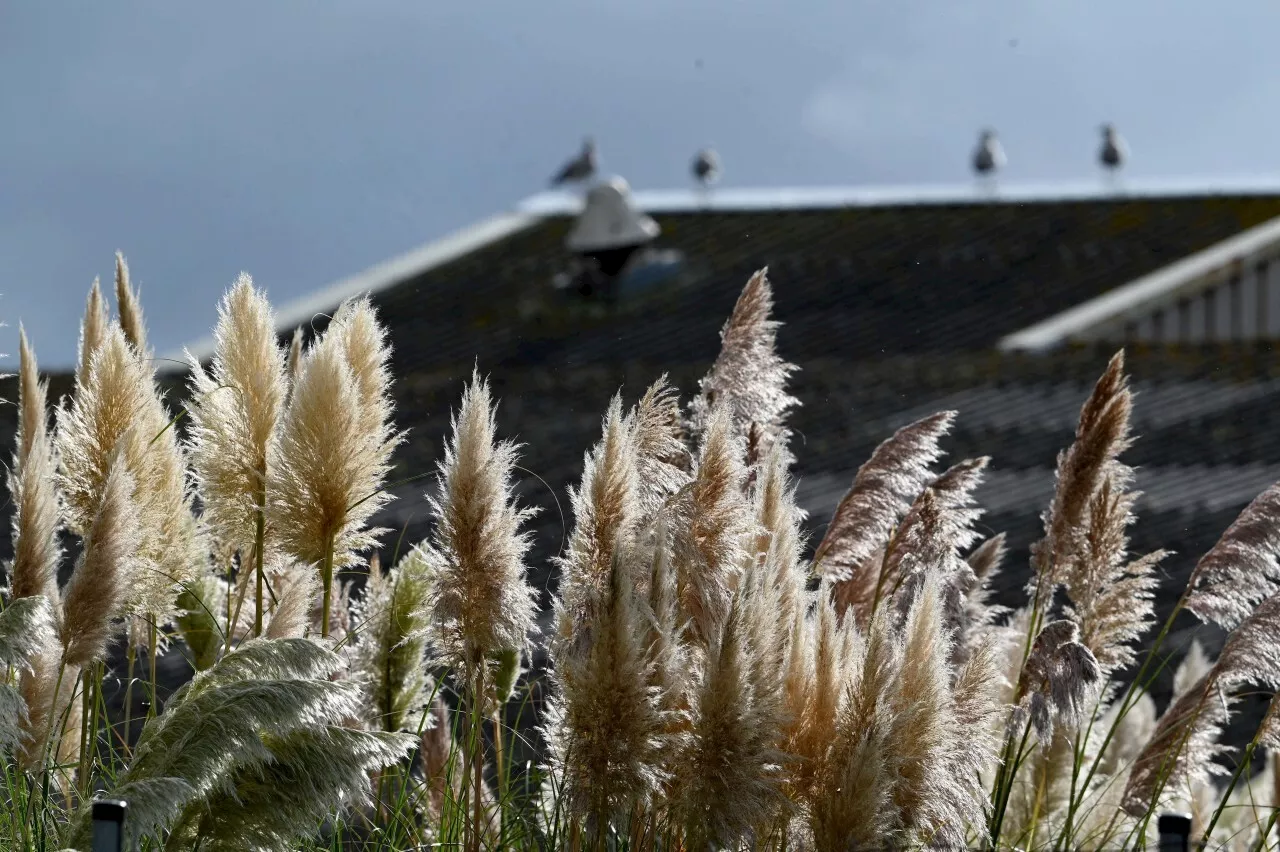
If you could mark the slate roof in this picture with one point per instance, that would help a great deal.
(891, 311)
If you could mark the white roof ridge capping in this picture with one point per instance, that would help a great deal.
(386, 274)
(745, 199)
(1132, 300)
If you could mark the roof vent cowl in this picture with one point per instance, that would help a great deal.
(610, 221)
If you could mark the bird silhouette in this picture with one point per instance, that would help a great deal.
(1114, 151)
(706, 167)
(581, 167)
(988, 157)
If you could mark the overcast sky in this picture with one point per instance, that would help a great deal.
(303, 141)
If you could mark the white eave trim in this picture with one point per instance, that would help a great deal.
(386, 274)
(1155, 287)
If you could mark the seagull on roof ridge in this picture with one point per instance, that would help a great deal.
(1114, 151)
(580, 168)
(989, 155)
(706, 166)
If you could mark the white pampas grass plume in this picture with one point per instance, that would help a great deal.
(297, 589)
(25, 627)
(332, 463)
(117, 407)
(364, 342)
(1057, 678)
(919, 742)
(294, 357)
(748, 376)
(1111, 596)
(1242, 568)
(606, 508)
(1195, 665)
(390, 656)
(711, 539)
(234, 413)
(99, 587)
(882, 492)
(606, 724)
(730, 779)
(38, 685)
(33, 488)
(92, 329)
(849, 803)
(662, 458)
(129, 307)
(482, 602)
(1182, 749)
(1102, 433)
(1185, 744)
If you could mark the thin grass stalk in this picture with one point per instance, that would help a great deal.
(477, 806)
(1131, 695)
(1005, 779)
(326, 579)
(259, 543)
(153, 641)
(131, 655)
(86, 718)
(501, 770)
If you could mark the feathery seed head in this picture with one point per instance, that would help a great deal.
(881, 494)
(748, 376)
(100, 586)
(482, 601)
(235, 413)
(328, 482)
(715, 532)
(92, 329)
(130, 308)
(33, 488)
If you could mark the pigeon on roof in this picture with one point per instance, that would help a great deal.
(581, 167)
(989, 156)
(1114, 151)
(706, 166)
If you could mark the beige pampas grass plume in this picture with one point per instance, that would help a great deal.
(117, 407)
(92, 329)
(234, 414)
(748, 376)
(294, 357)
(881, 494)
(606, 508)
(390, 656)
(99, 589)
(1111, 596)
(662, 458)
(1242, 568)
(296, 591)
(712, 537)
(606, 725)
(482, 602)
(1102, 433)
(730, 779)
(130, 308)
(33, 488)
(334, 454)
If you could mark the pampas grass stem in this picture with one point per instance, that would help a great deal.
(326, 580)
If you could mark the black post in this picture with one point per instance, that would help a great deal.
(1175, 832)
(108, 825)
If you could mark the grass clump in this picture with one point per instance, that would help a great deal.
(709, 686)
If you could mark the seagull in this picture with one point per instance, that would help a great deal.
(989, 156)
(1113, 152)
(581, 167)
(706, 167)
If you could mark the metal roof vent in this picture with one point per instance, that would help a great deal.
(610, 220)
